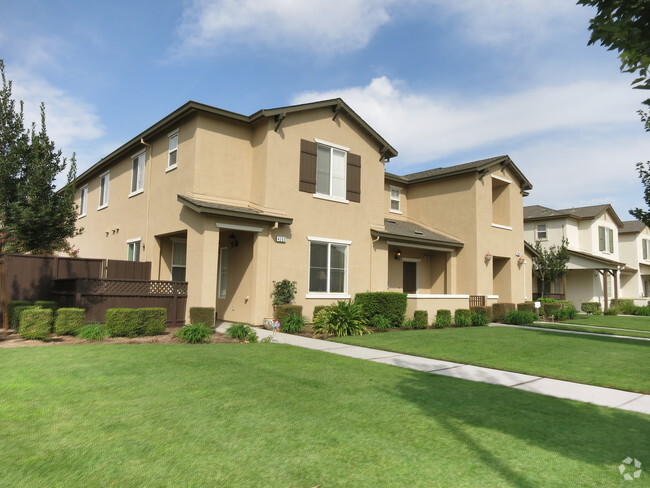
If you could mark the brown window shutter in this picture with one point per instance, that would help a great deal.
(307, 166)
(353, 190)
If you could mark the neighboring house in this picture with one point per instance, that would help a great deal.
(592, 235)
(634, 250)
(231, 203)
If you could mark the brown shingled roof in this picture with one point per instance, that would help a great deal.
(632, 227)
(399, 229)
(538, 212)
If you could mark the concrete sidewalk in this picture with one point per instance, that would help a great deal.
(607, 397)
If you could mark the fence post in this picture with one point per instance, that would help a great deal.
(175, 304)
(77, 292)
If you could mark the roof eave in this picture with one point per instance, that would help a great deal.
(205, 209)
(415, 240)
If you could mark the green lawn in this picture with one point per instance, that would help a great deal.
(595, 330)
(626, 322)
(267, 415)
(602, 361)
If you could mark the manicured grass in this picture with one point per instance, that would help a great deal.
(625, 322)
(602, 361)
(595, 330)
(267, 415)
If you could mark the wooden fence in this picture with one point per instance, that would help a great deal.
(98, 295)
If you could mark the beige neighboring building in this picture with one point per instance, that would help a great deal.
(593, 236)
(634, 250)
(231, 203)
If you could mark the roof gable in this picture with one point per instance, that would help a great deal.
(538, 212)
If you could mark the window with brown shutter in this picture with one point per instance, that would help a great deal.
(308, 151)
(354, 178)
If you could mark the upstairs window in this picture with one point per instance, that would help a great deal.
(103, 190)
(137, 173)
(541, 232)
(645, 243)
(330, 171)
(173, 150)
(605, 239)
(83, 201)
(395, 200)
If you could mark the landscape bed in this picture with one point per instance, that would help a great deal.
(269, 415)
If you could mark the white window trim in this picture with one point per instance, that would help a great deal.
(537, 238)
(331, 198)
(327, 295)
(331, 144)
(222, 291)
(106, 175)
(501, 178)
(398, 200)
(609, 243)
(325, 196)
(83, 202)
(645, 243)
(169, 136)
(132, 241)
(137, 191)
(499, 226)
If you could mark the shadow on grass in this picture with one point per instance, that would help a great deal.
(582, 432)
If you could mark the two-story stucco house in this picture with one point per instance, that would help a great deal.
(592, 236)
(231, 203)
(634, 251)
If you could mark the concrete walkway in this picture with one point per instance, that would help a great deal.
(607, 397)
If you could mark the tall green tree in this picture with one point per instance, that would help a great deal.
(34, 217)
(551, 263)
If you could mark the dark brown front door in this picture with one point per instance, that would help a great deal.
(410, 277)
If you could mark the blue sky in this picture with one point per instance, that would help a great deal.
(444, 82)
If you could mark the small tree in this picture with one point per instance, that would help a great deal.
(283, 292)
(551, 263)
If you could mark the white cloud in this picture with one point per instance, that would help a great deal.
(323, 26)
(428, 127)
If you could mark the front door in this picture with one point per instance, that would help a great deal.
(410, 277)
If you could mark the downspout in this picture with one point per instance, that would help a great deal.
(372, 252)
(148, 194)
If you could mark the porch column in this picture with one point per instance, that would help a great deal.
(202, 261)
(261, 283)
(615, 276)
(605, 273)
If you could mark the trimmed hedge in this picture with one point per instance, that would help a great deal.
(391, 305)
(46, 304)
(281, 311)
(487, 311)
(642, 311)
(499, 311)
(463, 317)
(11, 312)
(202, 315)
(526, 307)
(153, 321)
(519, 317)
(36, 323)
(480, 317)
(68, 321)
(123, 322)
(17, 312)
(550, 309)
(612, 311)
(420, 319)
(626, 306)
(443, 319)
(591, 307)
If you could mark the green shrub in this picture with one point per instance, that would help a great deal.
(519, 317)
(625, 306)
(463, 317)
(292, 324)
(68, 321)
(93, 332)
(612, 311)
(591, 308)
(153, 321)
(380, 322)
(642, 311)
(487, 311)
(499, 310)
(420, 319)
(202, 315)
(391, 305)
(36, 323)
(479, 318)
(12, 313)
(52, 305)
(242, 332)
(443, 319)
(550, 309)
(17, 312)
(283, 292)
(546, 300)
(408, 324)
(318, 308)
(281, 311)
(567, 313)
(344, 318)
(123, 322)
(526, 307)
(194, 333)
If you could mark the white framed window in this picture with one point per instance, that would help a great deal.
(331, 169)
(137, 173)
(541, 232)
(104, 181)
(133, 249)
(605, 239)
(645, 244)
(83, 201)
(328, 267)
(179, 253)
(395, 199)
(223, 272)
(173, 151)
